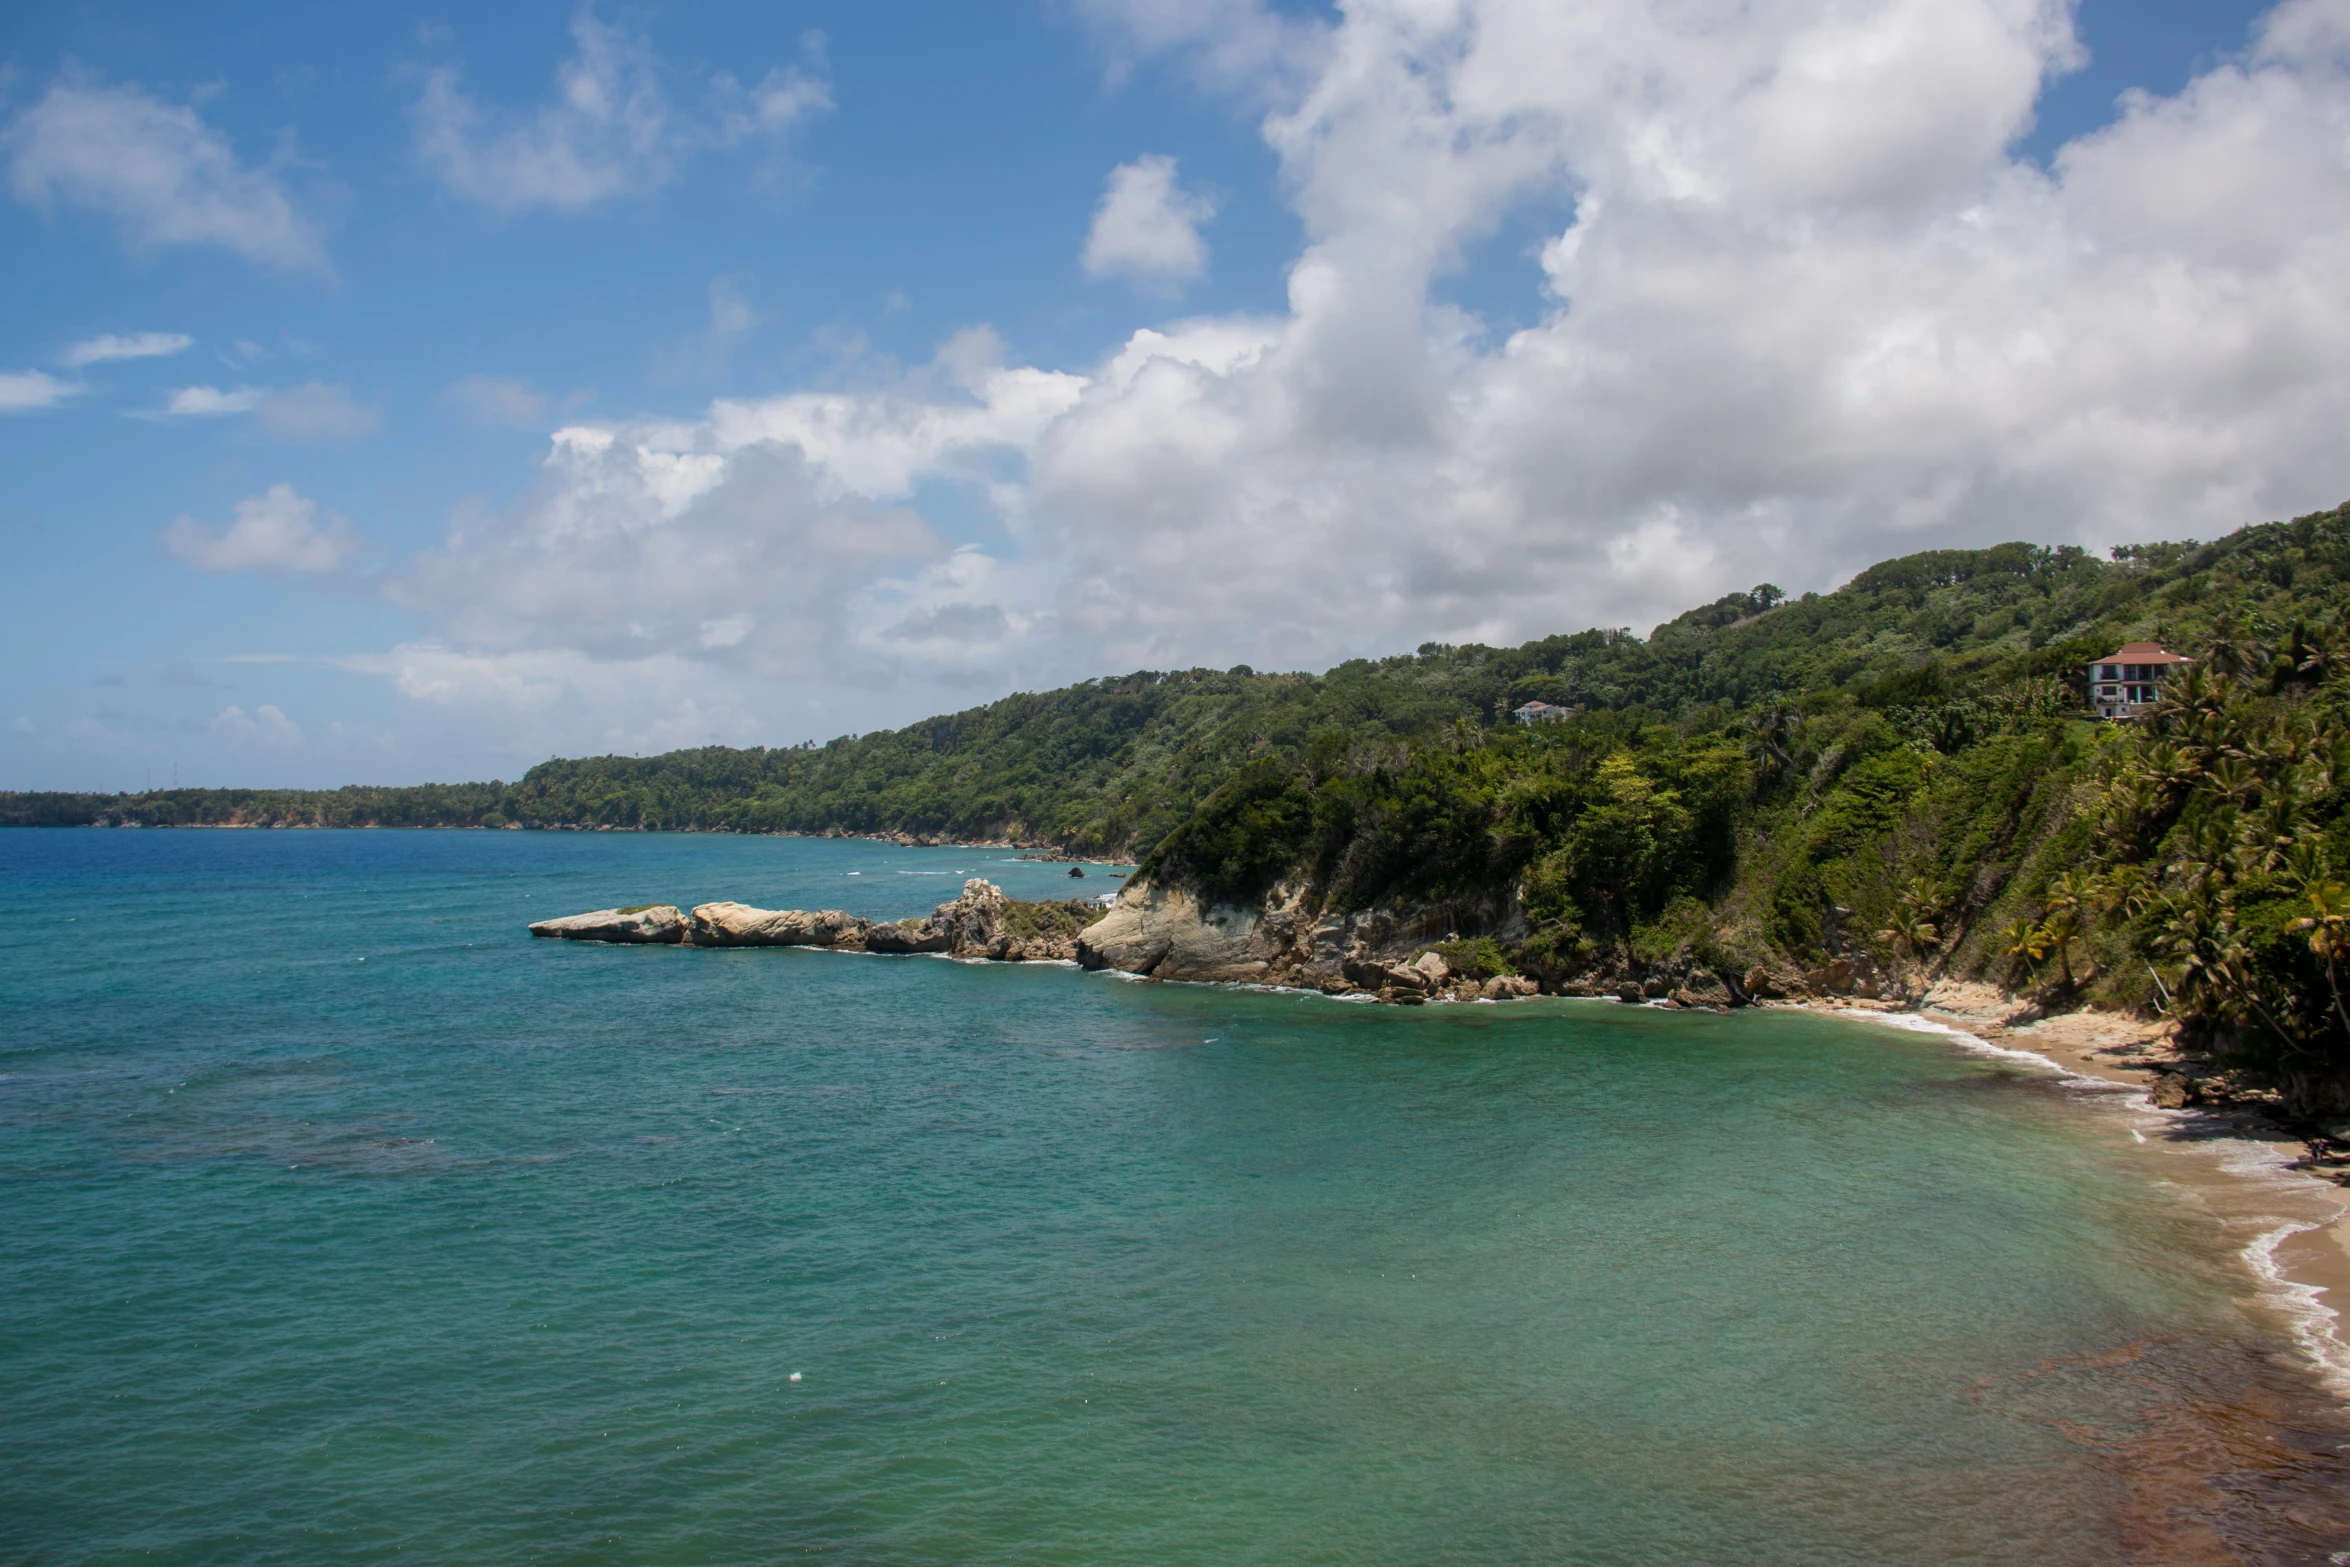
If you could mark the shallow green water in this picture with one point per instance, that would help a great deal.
(491, 1250)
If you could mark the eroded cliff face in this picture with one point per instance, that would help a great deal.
(1169, 933)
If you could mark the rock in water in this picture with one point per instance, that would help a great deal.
(974, 923)
(657, 924)
(905, 936)
(740, 925)
(972, 926)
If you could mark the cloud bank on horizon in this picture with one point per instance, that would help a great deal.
(1806, 305)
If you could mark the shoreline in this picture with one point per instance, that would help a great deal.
(2232, 1163)
(2228, 1159)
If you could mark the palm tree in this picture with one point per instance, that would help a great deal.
(2218, 973)
(2025, 940)
(1910, 933)
(2304, 658)
(2302, 865)
(2235, 653)
(2319, 661)
(1773, 732)
(2329, 935)
(1922, 898)
(2232, 780)
(2071, 890)
(2283, 820)
(2125, 890)
(2061, 929)
(2207, 849)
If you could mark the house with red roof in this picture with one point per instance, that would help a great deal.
(2125, 683)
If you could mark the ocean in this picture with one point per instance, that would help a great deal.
(341, 1221)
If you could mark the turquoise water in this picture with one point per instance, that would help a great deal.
(342, 1222)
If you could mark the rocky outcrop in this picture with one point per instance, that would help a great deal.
(974, 923)
(900, 937)
(1166, 933)
(1170, 933)
(658, 924)
(740, 925)
(1702, 990)
(971, 926)
(980, 923)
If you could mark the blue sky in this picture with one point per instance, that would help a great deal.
(913, 354)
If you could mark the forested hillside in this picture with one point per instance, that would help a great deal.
(1901, 770)
(1896, 777)
(1112, 765)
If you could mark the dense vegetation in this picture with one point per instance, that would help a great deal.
(1900, 772)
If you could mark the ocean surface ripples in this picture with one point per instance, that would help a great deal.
(340, 1221)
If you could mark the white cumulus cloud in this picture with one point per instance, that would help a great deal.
(111, 346)
(162, 173)
(1809, 311)
(611, 131)
(1147, 225)
(276, 530)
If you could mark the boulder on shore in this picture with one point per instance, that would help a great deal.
(740, 925)
(658, 924)
(1703, 990)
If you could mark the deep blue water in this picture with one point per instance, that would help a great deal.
(342, 1222)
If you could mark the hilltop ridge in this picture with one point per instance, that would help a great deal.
(1111, 765)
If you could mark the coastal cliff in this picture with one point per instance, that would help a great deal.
(1170, 933)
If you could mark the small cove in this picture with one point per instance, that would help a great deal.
(492, 1250)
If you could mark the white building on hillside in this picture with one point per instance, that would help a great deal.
(2123, 684)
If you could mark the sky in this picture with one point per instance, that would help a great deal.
(399, 393)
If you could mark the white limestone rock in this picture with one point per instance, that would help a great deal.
(740, 925)
(657, 924)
